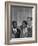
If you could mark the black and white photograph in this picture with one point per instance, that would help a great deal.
(21, 23)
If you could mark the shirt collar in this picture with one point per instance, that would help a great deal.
(14, 29)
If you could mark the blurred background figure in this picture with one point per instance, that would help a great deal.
(15, 30)
(29, 26)
(24, 29)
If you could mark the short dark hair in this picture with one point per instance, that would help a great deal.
(24, 21)
(14, 22)
(30, 18)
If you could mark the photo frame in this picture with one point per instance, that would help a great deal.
(32, 9)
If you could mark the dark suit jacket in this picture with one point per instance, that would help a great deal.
(17, 35)
(29, 32)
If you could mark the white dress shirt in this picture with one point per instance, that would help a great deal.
(14, 30)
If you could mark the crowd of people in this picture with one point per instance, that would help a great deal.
(25, 29)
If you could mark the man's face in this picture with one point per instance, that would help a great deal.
(24, 25)
(29, 22)
(15, 25)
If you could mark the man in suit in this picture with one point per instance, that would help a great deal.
(29, 26)
(24, 29)
(15, 30)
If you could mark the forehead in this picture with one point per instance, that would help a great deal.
(29, 19)
(23, 22)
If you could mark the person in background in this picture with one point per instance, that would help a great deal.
(24, 29)
(15, 30)
(29, 26)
